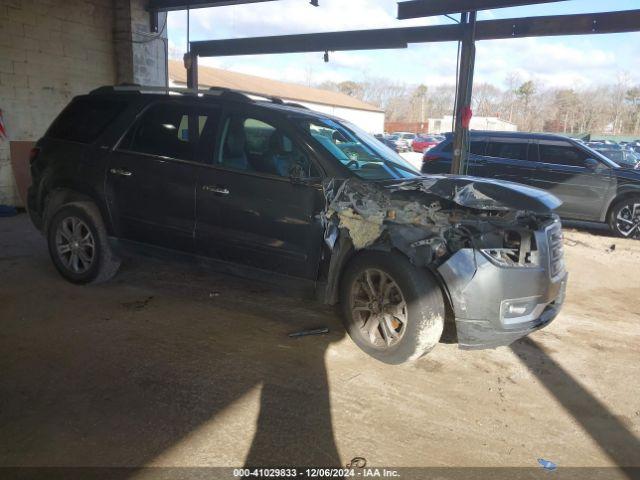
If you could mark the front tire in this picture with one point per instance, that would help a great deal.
(392, 310)
(624, 219)
(78, 244)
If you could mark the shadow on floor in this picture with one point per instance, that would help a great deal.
(120, 373)
(607, 430)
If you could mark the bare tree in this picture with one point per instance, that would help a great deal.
(486, 100)
(633, 98)
(613, 108)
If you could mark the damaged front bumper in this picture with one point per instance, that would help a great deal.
(495, 305)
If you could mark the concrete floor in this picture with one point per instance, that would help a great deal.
(171, 366)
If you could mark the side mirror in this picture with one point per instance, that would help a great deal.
(592, 164)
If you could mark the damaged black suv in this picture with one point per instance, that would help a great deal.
(275, 191)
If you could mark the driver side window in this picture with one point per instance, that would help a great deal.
(253, 145)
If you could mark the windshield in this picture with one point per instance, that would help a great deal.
(357, 150)
(621, 157)
(615, 155)
(598, 155)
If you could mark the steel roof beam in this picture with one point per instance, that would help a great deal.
(557, 25)
(581, 24)
(333, 41)
(429, 8)
(171, 5)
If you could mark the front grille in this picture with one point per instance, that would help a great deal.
(556, 251)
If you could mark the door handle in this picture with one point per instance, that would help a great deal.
(121, 172)
(216, 190)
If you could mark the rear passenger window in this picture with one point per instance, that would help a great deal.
(85, 118)
(184, 126)
(562, 154)
(511, 150)
(170, 131)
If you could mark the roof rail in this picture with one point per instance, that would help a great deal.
(229, 93)
(134, 88)
(223, 92)
(296, 105)
(270, 98)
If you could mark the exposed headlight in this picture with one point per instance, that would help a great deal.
(518, 250)
(505, 257)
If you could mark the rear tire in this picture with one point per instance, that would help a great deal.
(404, 318)
(78, 244)
(624, 219)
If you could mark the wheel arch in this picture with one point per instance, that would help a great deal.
(344, 253)
(624, 195)
(63, 193)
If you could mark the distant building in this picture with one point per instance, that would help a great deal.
(413, 127)
(443, 125)
(364, 115)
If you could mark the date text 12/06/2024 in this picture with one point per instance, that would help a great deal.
(315, 473)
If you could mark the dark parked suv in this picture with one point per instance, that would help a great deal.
(591, 186)
(275, 191)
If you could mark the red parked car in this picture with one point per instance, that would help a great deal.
(422, 143)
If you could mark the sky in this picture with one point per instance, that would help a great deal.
(554, 62)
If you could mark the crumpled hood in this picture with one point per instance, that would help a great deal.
(481, 193)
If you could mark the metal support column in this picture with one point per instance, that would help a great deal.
(465, 91)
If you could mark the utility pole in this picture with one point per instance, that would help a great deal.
(465, 91)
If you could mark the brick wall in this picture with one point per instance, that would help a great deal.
(49, 52)
(140, 58)
(52, 50)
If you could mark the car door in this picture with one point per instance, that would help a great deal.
(580, 181)
(476, 159)
(258, 202)
(507, 158)
(150, 181)
(438, 159)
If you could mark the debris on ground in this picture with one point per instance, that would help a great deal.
(547, 464)
(357, 462)
(138, 304)
(306, 333)
(214, 294)
(612, 248)
(571, 242)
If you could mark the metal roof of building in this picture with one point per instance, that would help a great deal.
(216, 77)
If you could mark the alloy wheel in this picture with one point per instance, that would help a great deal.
(378, 308)
(75, 245)
(628, 220)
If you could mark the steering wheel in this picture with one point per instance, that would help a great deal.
(354, 163)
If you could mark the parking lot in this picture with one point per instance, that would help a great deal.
(169, 365)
